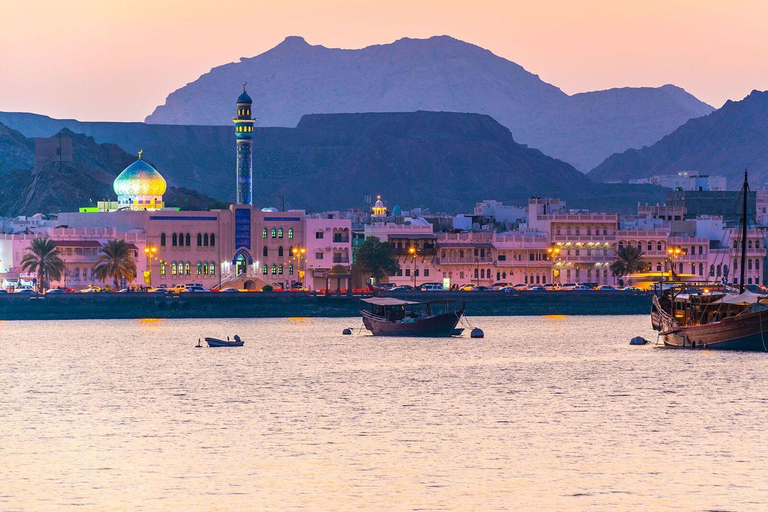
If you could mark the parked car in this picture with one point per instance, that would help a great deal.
(3, 290)
(431, 287)
(482, 288)
(385, 286)
(467, 288)
(569, 286)
(179, 288)
(92, 288)
(606, 288)
(230, 290)
(29, 291)
(55, 291)
(499, 286)
(520, 286)
(591, 286)
(402, 288)
(161, 290)
(297, 287)
(632, 289)
(195, 287)
(537, 289)
(581, 287)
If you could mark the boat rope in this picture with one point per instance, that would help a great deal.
(465, 320)
(762, 338)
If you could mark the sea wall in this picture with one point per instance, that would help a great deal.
(263, 305)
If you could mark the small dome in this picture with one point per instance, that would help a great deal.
(139, 179)
(396, 211)
(244, 98)
(379, 204)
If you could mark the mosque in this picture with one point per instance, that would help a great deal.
(239, 247)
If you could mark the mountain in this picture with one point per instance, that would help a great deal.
(726, 142)
(438, 74)
(444, 161)
(17, 151)
(66, 186)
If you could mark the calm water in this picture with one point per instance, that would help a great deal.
(544, 413)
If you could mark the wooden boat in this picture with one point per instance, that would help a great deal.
(215, 342)
(388, 316)
(718, 321)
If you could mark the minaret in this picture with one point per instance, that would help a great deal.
(244, 134)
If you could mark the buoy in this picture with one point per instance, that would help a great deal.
(346, 331)
(638, 340)
(477, 333)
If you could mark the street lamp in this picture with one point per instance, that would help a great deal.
(150, 251)
(298, 253)
(674, 252)
(412, 251)
(553, 253)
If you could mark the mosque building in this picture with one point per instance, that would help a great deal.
(239, 247)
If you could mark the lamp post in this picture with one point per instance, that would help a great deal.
(674, 252)
(412, 251)
(150, 251)
(553, 253)
(298, 253)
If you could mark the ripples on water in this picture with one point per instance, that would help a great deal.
(544, 413)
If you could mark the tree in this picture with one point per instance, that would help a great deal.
(42, 256)
(376, 258)
(629, 260)
(115, 262)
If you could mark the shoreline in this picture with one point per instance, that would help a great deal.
(92, 306)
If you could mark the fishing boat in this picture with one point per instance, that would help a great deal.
(215, 342)
(388, 316)
(687, 316)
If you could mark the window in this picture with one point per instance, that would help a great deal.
(212, 268)
(265, 251)
(199, 268)
(658, 246)
(264, 233)
(318, 255)
(749, 244)
(280, 251)
(187, 240)
(187, 268)
(502, 257)
(290, 233)
(319, 235)
(290, 269)
(482, 273)
(650, 246)
(274, 269)
(173, 267)
(274, 233)
(280, 269)
(476, 273)
(757, 264)
(181, 239)
(205, 268)
(426, 272)
(162, 239)
(205, 240)
(749, 264)
(264, 270)
(162, 268)
(280, 233)
(199, 240)
(213, 240)
(711, 270)
(174, 241)
(407, 272)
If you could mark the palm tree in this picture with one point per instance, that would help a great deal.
(42, 256)
(629, 260)
(115, 262)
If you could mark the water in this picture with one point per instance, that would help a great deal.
(549, 413)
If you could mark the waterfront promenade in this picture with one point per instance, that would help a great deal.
(276, 305)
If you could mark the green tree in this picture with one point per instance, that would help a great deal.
(375, 258)
(115, 262)
(629, 260)
(42, 256)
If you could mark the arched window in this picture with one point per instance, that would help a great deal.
(749, 263)
(187, 240)
(719, 270)
(280, 233)
(280, 269)
(749, 244)
(264, 270)
(199, 268)
(205, 240)
(205, 268)
(274, 233)
(213, 240)
(274, 269)
(181, 239)
(658, 246)
(265, 251)
(212, 268)
(650, 246)
(658, 267)
(174, 240)
(735, 244)
(476, 273)
(701, 269)
(199, 240)
(712, 270)
(290, 269)
(162, 268)
(162, 239)
(264, 233)
(621, 244)
(173, 267)
(757, 264)
(280, 251)
(187, 268)
(290, 233)
(757, 244)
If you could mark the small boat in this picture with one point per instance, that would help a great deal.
(388, 316)
(215, 342)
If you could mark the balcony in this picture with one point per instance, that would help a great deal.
(403, 251)
(466, 260)
(583, 238)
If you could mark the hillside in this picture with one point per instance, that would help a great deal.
(726, 142)
(67, 186)
(438, 74)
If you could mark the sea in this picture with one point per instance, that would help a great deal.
(543, 413)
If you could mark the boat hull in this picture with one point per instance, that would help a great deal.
(214, 342)
(437, 326)
(747, 332)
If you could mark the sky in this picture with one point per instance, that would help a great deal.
(116, 60)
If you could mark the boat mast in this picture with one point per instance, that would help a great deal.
(743, 235)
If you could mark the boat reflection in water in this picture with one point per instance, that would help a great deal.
(387, 316)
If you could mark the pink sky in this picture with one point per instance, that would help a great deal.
(118, 59)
